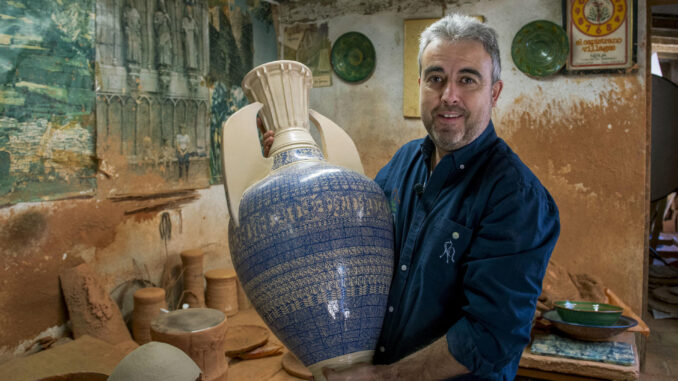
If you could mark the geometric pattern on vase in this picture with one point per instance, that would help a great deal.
(314, 253)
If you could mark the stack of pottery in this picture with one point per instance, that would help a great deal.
(310, 236)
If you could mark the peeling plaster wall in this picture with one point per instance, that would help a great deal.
(38, 240)
(584, 136)
(119, 237)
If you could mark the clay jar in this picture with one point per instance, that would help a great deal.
(194, 283)
(200, 333)
(222, 291)
(147, 304)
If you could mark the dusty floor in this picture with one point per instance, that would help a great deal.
(661, 359)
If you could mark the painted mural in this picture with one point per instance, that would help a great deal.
(232, 26)
(152, 102)
(46, 100)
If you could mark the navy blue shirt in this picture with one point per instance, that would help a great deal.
(472, 241)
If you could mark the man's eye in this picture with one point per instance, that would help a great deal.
(467, 80)
(435, 79)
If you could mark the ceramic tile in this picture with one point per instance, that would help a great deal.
(607, 351)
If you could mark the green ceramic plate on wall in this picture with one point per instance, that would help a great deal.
(540, 48)
(353, 57)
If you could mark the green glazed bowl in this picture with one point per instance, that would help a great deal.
(588, 313)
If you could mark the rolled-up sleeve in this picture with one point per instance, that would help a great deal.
(502, 278)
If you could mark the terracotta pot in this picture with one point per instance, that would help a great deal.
(310, 236)
(194, 282)
(222, 291)
(200, 333)
(147, 304)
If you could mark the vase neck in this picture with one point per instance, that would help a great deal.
(292, 138)
(296, 154)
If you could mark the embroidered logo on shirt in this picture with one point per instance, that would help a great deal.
(448, 252)
(395, 201)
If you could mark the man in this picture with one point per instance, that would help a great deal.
(474, 228)
(183, 141)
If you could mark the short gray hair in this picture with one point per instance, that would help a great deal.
(456, 27)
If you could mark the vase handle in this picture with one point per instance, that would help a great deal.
(242, 161)
(337, 146)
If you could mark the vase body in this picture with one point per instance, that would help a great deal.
(312, 245)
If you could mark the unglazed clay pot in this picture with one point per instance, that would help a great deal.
(200, 333)
(221, 292)
(310, 236)
(194, 281)
(148, 303)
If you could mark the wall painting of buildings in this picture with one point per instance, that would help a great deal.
(46, 100)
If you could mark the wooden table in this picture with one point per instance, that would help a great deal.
(264, 369)
(560, 368)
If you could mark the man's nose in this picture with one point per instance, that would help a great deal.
(450, 94)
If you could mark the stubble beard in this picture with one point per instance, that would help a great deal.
(455, 138)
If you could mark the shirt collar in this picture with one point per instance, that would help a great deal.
(465, 154)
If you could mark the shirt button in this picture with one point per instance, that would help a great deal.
(403, 267)
(455, 235)
(382, 349)
(390, 309)
(461, 166)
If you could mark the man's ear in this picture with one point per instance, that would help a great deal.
(496, 90)
(419, 81)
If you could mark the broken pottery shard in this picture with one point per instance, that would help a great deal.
(90, 308)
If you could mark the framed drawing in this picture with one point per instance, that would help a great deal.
(310, 45)
(601, 34)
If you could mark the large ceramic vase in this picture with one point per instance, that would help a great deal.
(310, 236)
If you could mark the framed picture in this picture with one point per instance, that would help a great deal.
(602, 35)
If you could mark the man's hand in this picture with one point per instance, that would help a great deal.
(267, 141)
(360, 372)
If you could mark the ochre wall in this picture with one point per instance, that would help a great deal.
(38, 240)
(114, 224)
(584, 136)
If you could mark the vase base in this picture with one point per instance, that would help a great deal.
(340, 362)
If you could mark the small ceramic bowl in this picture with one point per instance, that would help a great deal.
(590, 313)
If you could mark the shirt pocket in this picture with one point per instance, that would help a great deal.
(447, 241)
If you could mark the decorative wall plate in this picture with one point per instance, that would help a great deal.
(353, 57)
(540, 48)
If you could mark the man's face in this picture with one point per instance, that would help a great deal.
(456, 92)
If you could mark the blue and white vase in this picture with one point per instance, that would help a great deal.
(311, 240)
